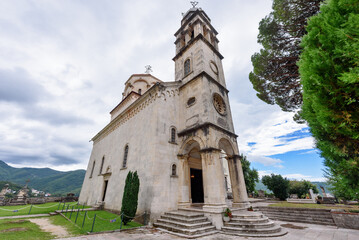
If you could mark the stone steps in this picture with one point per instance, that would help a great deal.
(299, 215)
(243, 230)
(188, 236)
(252, 224)
(267, 224)
(328, 222)
(312, 216)
(259, 235)
(185, 231)
(185, 224)
(264, 219)
(185, 220)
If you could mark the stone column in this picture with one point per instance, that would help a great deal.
(240, 197)
(213, 180)
(184, 181)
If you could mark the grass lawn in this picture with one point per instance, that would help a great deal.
(314, 205)
(22, 229)
(35, 209)
(102, 222)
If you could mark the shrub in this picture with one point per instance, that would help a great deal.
(278, 185)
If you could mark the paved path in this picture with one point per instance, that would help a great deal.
(46, 225)
(296, 231)
(26, 216)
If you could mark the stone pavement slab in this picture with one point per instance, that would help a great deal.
(296, 231)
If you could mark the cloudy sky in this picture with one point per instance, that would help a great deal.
(63, 65)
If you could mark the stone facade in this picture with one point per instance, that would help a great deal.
(174, 134)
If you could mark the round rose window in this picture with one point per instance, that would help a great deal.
(219, 104)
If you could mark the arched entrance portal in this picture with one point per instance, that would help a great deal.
(190, 173)
(201, 178)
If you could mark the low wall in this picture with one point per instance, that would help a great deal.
(345, 219)
(293, 200)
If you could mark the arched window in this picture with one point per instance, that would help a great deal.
(124, 164)
(173, 135)
(187, 67)
(139, 91)
(93, 167)
(174, 170)
(103, 160)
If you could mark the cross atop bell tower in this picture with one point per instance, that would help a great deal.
(197, 47)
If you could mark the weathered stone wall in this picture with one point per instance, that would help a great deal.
(345, 219)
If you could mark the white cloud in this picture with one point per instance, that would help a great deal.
(298, 176)
(293, 176)
(266, 161)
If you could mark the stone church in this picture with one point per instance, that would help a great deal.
(177, 135)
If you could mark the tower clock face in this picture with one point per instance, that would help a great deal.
(213, 67)
(219, 104)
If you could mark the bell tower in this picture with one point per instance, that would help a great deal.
(205, 126)
(197, 48)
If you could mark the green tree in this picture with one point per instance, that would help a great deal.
(130, 197)
(250, 175)
(277, 184)
(301, 187)
(329, 69)
(275, 74)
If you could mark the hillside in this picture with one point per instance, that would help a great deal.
(44, 179)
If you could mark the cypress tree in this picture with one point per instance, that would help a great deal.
(130, 197)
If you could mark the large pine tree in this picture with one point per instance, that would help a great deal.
(329, 69)
(275, 73)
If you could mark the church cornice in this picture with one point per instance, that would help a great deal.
(125, 100)
(194, 40)
(159, 90)
(209, 77)
(204, 126)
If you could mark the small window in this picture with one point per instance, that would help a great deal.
(187, 67)
(139, 91)
(93, 167)
(173, 135)
(191, 101)
(103, 160)
(192, 34)
(124, 164)
(174, 170)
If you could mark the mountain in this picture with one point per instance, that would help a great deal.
(44, 179)
(261, 186)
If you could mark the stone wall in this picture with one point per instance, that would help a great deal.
(345, 219)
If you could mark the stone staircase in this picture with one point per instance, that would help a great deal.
(252, 224)
(302, 215)
(185, 224)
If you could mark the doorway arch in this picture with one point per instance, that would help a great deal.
(190, 172)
